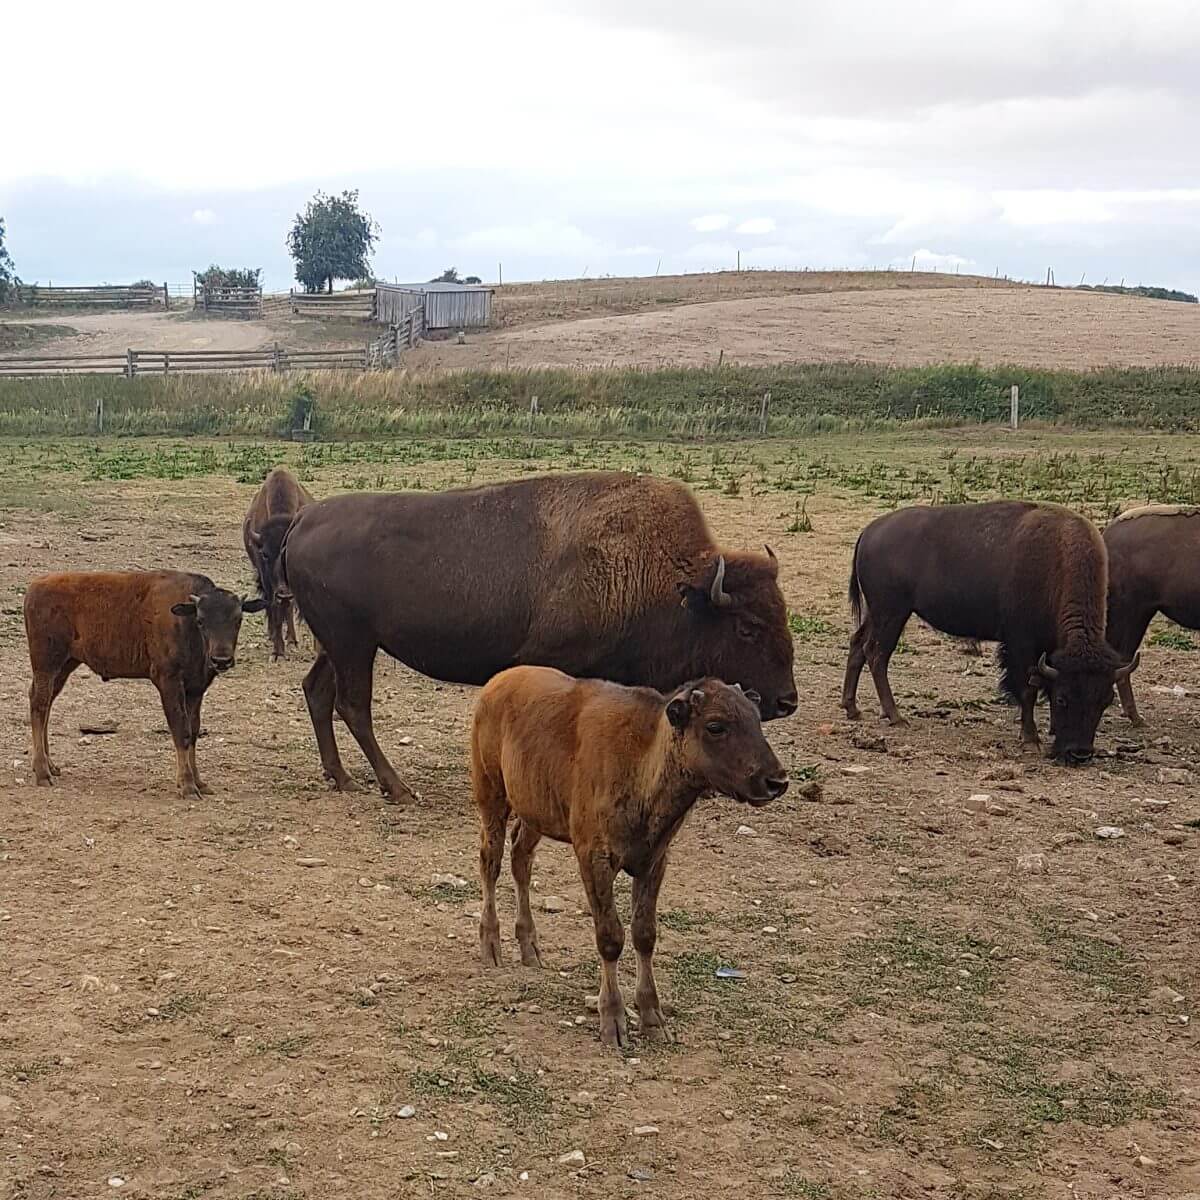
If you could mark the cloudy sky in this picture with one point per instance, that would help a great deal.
(563, 136)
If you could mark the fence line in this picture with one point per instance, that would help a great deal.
(378, 353)
(100, 295)
(349, 305)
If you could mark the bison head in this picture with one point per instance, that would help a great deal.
(721, 743)
(738, 628)
(267, 544)
(217, 616)
(1080, 688)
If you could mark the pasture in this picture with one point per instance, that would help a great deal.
(952, 987)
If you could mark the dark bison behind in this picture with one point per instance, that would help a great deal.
(1033, 577)
(1153, 567)
(271, 511)
(601, 574)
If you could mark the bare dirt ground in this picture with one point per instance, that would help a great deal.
(188, 1010)
(1036, 327)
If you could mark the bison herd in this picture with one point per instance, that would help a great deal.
(629, 660)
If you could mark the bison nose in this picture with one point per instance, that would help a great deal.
(776, 785)
(787, 704)
(282, 594)
(1077, 756)
(222, 664)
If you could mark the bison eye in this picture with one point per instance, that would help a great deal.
(716, 729)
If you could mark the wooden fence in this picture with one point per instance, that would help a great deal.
(100, 296)
(336, 305)
(227, 301)
(379, 353)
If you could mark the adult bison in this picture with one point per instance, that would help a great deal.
(1033, 577)
(601, 574)
(274, 505)
(1153, 557)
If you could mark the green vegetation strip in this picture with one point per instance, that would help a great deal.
(675, 403)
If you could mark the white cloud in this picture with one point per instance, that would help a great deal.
(545, 238)
(757, 225)
(709, 223)
(636, 251)
(204, 216)
(723, 254)
(929, 260)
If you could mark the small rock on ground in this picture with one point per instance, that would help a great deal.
(573, 1158)
(641, 1174)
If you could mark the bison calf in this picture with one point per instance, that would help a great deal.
(613, 771)
(175, 629)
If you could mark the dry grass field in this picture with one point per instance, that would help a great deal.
(275, 993)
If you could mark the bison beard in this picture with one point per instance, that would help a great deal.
(601, 574)
(1032, 577)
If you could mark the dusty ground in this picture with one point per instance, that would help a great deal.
(1037, 327)
(187, 1008)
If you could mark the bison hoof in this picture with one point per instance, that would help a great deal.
(190, 793)
(1134, 720)
(614, 1031)
(55, 769)
(489, 950)
(203, 788)
(396, 795)
(896, 721)
(853, 712)
(43, 779)
(531, 956)
(342, 782)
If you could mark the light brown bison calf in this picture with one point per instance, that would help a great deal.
(175, 629)
(613, 771)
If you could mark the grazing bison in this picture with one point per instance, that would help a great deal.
(274, 505)
(1153, 566)
(614, 772)
(602, 574)
(177, 630)
(1033, 577)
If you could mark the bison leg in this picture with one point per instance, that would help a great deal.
(524, 844)
(194, 701)
(42, 694)
(595, 867)
(320, 688)
(174, 702)
(1125, 638)
(289, 617)
(854, 664)
(879, 647)
(1029, 733)
(355, 680)
(645, 935)
(275, 629)
(493, 819)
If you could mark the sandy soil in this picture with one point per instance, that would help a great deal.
(115, 332)
(188, 1008)
(1036, 327)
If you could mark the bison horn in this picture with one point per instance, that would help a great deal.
(770, 553)
(1129, 668)
(256, 537)
(717, 593)
(1045, 669)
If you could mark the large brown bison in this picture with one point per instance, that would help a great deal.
(601, 574)
(1033, 577)
(274, 505)
(1153, 567)
(178, 630)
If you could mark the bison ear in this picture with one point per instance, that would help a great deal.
(679, 712)
(256, 537)
(754, 698)
(184, 610)
(253, 606)
(708, 592)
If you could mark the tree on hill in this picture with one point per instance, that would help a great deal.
(331, 239)
(229, 277)
(449, 275)
(8, 273)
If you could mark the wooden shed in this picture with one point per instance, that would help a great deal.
(447, 305)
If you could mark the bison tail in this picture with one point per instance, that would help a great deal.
(854, 591)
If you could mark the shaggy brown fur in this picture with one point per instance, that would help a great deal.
(175, 629)
(1033, 577)
(613, 771)
(272, 510)
(602, 574)
(1153, 567)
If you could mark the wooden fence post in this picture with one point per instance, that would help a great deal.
(276, 362)
(1014, 415)
(763, 411)
(533, 412)
(166, 362)
(130, 365)
(100, 414)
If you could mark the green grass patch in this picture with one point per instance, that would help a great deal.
(1095, 964)
(1172, 638)
(805, 627)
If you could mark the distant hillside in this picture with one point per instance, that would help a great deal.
(1146, 293)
